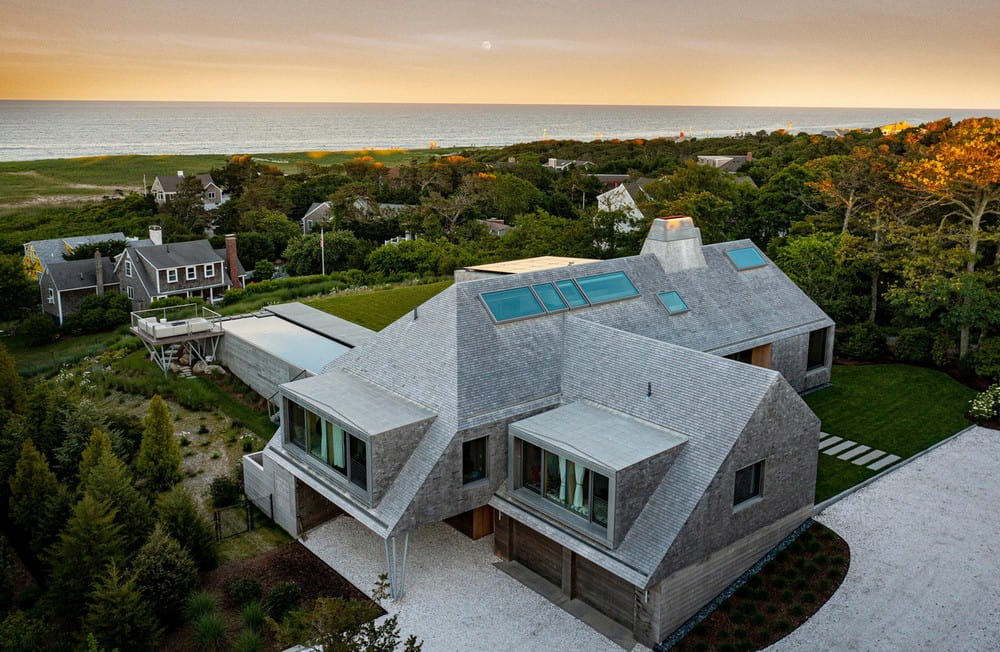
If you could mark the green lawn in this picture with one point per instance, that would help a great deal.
(900, 409)
(379, 308)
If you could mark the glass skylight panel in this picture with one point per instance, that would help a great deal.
(510, 304)
(746, 258)
(572, 293)
(607, 287)
(673, 302)
(549, 296)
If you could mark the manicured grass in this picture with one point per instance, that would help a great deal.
(900, 409)
(378, 308)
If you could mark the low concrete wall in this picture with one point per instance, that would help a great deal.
(257, 368)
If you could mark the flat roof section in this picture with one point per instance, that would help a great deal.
(286, 340)
(530, 264)
(321, 322)
(596, 433)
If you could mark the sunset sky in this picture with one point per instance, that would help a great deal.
(724, 52)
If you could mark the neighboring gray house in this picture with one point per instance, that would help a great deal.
(189, 269)
(565, 164)
(65, 284)
(164, 189)
(586, 415)
(727, 163)
(38, 254)
(625, 197)
(318, 213)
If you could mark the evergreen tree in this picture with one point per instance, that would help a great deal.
(38, 502)
(78, 425)
(111, 482)
(12, 396)
(181, 520)
(118, 616)
(165, 574)
(20, 632)
(159, 458)
(45, 414)
(98, 444)
(90, 542)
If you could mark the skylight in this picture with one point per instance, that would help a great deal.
(572, 293)
(746, 258)
(673, 302)
(515, 303)
(549, 296)
(607, 287)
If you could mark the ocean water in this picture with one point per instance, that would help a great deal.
(42, 129)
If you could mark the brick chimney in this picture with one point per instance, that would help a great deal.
(99, 271)
(231, 261)
(156, 234)
(676, 242)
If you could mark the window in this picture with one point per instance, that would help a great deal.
(328, 443)
(474, 460)
(359, 462)
(817, 349)
(52, 295)
(211, 194)
(549, 296)
(749, 483)
(742, 356)
(565, 482)
(296, 423)
(190, 273)
(746, 258)
(171, 276)
(607, 287)
(128, 268)
(516, 303)
(209, 271)
(130, 292)
(572, 293)
(673, 302)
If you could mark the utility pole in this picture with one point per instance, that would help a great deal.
(322, 250)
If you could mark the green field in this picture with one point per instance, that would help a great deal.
(899, 409)
(67, 180)
(379, 308)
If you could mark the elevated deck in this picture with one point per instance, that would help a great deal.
(165, 330)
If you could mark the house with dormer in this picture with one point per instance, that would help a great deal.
(630, 432)
(165, 187)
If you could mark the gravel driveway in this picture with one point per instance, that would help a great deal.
(925, 557)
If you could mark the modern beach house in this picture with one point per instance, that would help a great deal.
(630, 431)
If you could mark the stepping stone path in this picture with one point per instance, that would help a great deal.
(854, 452)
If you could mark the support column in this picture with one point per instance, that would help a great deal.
(396, 565)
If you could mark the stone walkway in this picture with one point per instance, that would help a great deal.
(925, 544)
(847, 450)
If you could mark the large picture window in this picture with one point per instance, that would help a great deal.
(749, 483)
(474, 460)
(817, 349)
(329, 443)
(565, 482)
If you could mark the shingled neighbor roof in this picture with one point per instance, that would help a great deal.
(50, 251)
(79, 274)
(169, 183)
(450, 357)
(221, 253)
(179, 254)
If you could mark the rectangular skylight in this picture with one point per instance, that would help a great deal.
(515, 303)
(549, 296)
(572, 293)
(746, 258)
(673, 302)
(607, 287)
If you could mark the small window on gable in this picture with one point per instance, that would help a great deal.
(572, 293)
(129, 291)
(171, 276)
(749, 483)
(549, 296)
(515, 303)
(128, 268)
(209, 271)
(673, 302)
(746, 258)
(607, 287)
(190, 273)
(52, 296)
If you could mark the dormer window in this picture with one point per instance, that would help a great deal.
(191, 273)
(172, 275)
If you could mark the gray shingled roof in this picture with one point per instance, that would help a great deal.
(76, 274)
(50, 251)
(169, 183)
(179, 254)
(221, 253)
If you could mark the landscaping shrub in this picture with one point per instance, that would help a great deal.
(987, 359)
(943, 350)
(209, 633)
(253, 617)
(861, 342)
(913, 345)
(38, 329)
(241, 592)
(199, 604)
(248, 642)
(224, 491)
(986, 405)
(283, 598)
(99, 312)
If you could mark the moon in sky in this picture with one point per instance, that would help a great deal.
(487, 46)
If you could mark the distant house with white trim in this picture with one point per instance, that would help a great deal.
(38, 254)
(625, 197)
(66, 283)
(727, 163)
(165, 187)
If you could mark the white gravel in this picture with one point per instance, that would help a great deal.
(455, 599)
(925, 557)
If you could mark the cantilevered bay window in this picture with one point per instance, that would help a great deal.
(343, 452)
